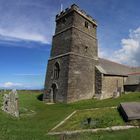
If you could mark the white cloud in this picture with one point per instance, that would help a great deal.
(27, 74)
(103, 53)
(29, 20)
(10, 85)
(18, 35)
(130, 51)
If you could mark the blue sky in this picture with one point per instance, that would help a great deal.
(26, 29)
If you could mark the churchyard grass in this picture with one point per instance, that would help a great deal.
(131, 134)
(38, 118)
(99, 118)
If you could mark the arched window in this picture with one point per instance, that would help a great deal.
(56, 70)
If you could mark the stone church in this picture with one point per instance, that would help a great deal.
(75, 72)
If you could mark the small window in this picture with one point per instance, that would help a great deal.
(86, 24)
(64, 20)
(56, 70)
(93, 25)
(86, 48)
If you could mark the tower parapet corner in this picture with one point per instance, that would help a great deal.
(74, 7)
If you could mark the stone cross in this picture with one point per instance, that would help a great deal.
(10, 103)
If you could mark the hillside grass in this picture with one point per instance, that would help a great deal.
(38, 118)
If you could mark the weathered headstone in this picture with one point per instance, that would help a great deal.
(130, 111)
(10, 103)
(117, 92)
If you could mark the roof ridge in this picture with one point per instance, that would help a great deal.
(117, 63)
(134, 73)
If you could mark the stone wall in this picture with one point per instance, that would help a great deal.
(111, 85)
(74, 47)
(81, 81)
(98, 82)
(83, 44)
(82, 61)
(64, 23)
(79, 22)
(61, 43)
(61, 82)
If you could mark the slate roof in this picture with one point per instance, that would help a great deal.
(108, 67)
(133, 79)
(135, 70)
(112, 68)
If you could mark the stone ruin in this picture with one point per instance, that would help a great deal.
(10, 103)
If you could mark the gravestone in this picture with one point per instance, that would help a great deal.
(117, 92)
(130, 111)
(10, 103)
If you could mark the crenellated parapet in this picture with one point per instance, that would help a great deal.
(75, 8)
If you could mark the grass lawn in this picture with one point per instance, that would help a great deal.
(38, 118)
(131, 134)
(100, 118)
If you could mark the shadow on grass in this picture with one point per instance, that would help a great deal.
(40, 97)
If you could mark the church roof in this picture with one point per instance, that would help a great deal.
(108, 67)
(112, 68)
(133, 79)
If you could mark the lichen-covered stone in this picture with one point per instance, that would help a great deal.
(10, 103)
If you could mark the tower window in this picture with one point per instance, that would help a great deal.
(86, 48)
(56, 70)
(94, 26)
(86, 24)
(64, 20)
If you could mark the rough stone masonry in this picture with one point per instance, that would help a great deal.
(75, 72)
(10, 103)
(71, 67)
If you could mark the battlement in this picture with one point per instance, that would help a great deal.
(74, 7)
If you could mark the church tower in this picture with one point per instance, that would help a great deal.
(71, 68)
